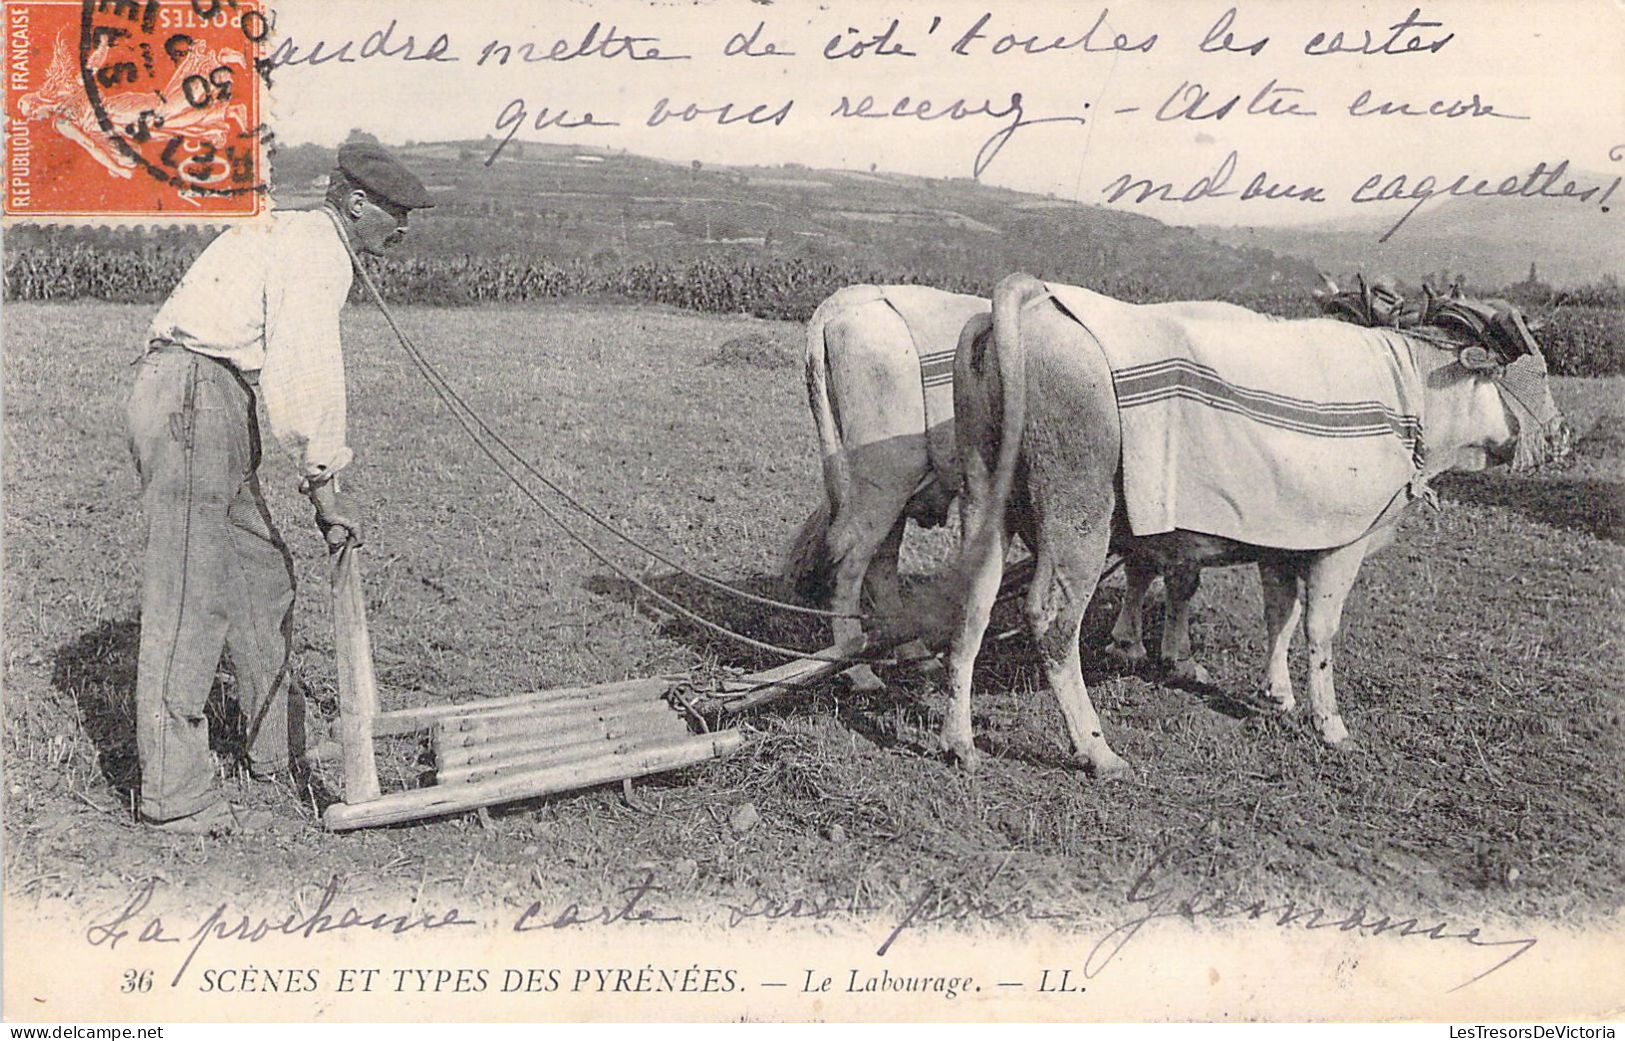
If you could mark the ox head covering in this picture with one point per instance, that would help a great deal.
(1374, 304)
(1491, 338)
(1542, 432)
(371, 167)
(1501, 346)
(1494, 323)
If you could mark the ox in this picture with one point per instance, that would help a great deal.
(1045, 436)
(877, 357)
(879, 384)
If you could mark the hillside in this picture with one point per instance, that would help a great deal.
(1491, 241)
(549, 223)
(567, 203)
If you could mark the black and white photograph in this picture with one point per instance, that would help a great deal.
(794, 511)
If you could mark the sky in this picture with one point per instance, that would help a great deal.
(1134, 108)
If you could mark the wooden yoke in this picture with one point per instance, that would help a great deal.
(358, 690)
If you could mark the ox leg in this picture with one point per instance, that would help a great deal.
(1327, 587)
(1283, 605)
(887, 599)
(1060, 594)
(1180, 584)
(981, 569)
(869, 526)
(1128, 641)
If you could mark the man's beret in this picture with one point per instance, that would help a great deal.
(374, 169)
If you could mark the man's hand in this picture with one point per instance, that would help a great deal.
(334, 517)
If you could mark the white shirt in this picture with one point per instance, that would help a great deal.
(266, 297)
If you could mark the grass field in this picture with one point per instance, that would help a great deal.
(1480, 661)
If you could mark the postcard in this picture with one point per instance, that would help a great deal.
(628, 510)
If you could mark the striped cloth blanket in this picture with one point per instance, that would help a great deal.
(1293, 435)
(934, 320)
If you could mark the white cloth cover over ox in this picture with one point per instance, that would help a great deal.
(1293, 435)
(934, 320)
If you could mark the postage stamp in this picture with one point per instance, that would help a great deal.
(134, 109)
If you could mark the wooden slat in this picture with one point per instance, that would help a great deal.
(512, 721)
(456, 750)
(438, 800)
(560, 755)
(411, 720)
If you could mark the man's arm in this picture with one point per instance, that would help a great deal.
(303, 378)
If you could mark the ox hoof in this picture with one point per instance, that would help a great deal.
(962, 751)
(1278, 702)
(1334, 733)
(1127, 654)
(1188, 670)
(1108, 767)
(863, 680)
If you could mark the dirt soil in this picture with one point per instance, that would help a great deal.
(1480, 664)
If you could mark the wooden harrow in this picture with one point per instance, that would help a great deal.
(503, 749)
(507, 748)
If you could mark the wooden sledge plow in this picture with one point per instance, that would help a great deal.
(508, 748)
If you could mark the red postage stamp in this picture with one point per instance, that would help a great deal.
(134, 108)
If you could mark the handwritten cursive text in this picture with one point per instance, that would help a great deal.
(1160, 903)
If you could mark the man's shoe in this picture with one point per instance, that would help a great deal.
(221, 818)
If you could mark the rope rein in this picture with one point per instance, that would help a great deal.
(474, 426)
(709, 580)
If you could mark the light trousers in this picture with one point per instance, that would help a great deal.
(216, 575)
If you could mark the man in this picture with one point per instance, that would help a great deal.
(257, 315)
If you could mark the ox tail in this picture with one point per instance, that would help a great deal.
(1011, 296)
(808, 567)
